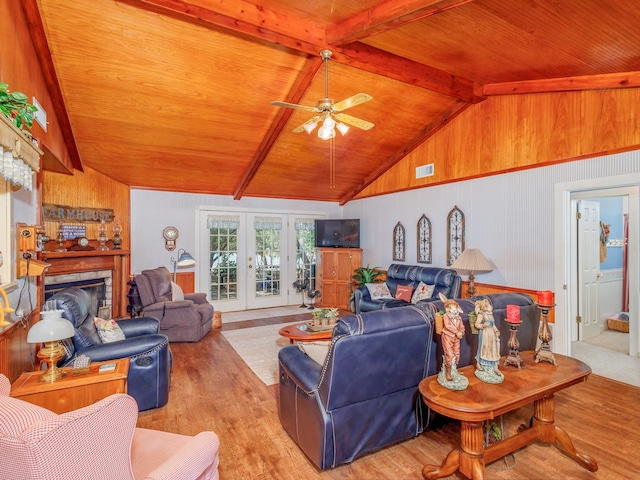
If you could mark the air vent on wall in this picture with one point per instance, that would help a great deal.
(424, 171)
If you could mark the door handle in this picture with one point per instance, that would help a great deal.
(599, 275)
(250, 266)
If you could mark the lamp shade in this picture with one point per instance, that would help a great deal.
(50, 328)
(185, 259)
(472, 260)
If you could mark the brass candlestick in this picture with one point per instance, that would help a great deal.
(544, 334)
(514, 345)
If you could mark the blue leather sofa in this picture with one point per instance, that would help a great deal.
(150, 357)
(446, 281)
(365, 395)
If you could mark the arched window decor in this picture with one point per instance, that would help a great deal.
(455, 234)
(424, 240)
(398, 243)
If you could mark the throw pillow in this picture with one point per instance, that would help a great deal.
(378, 291)
(108, 330)
(423, 291)
(317, 351)
(403, 292)
(177, 294)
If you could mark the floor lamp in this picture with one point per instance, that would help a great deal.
(473, 261)
(184, 260)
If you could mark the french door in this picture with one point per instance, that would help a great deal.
(253, 258)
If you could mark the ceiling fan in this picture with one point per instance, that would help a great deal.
(328, 112)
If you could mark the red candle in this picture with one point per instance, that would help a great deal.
(545, 297)
(513, 314)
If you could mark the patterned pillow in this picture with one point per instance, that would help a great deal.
(108, 330)
(378, 291)
(423, 291)
(403, 292)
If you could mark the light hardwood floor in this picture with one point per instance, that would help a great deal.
(212, 389)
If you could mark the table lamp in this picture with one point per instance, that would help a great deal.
(185, 260)
(50, 330)
(473, 261)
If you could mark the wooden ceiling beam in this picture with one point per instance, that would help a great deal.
(303, 81)
(256, 22)
(415, 142)
(262, 24)
(565, 84)
(385, 16)
(41, 46)
(373, 60)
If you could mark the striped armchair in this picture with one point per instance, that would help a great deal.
(98, 442)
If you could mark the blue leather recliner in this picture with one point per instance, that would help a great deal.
(365, 395)
(445, 280)
(150, 357)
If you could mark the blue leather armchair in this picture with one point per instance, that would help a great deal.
(365, 395)
(446, 281)
(149, 371)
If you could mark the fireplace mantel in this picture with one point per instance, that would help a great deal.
(63, 263)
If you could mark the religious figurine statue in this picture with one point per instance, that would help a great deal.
(488, 355)
(452, 331)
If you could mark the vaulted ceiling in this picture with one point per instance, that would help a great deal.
(176, 95)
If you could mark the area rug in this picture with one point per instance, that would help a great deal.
(229, 317)
(259, 347)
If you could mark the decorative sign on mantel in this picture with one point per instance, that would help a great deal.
(63, 213)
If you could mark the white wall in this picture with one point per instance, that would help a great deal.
(509, 217)
(152, 211)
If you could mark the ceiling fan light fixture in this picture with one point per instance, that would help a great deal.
(326, 133)
(342, 128)
(309, 127)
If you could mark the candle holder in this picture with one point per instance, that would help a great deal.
(102, 236)
(117, 239)
(514, 346)
(543, 353)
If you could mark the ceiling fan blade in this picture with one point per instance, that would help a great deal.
(353, 121)
(357, 99)
(294, 105)
(300, 128)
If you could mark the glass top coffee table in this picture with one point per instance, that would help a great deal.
(301, 332)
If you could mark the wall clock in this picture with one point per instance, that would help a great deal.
(455, 234)
(170, 235)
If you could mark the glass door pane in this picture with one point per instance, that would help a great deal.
(265, 247)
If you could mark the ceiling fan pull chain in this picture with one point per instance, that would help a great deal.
(332, 164)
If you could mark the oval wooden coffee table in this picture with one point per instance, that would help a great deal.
(301, 332)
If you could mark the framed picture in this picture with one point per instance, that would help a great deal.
(398, 242)
(423, 230)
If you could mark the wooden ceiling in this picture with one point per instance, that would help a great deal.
(175, 95)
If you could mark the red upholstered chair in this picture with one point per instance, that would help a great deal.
(183, 317)
(98, 442)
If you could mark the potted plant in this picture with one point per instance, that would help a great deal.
(14, 106)
(360, 278)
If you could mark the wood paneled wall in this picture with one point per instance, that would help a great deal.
(88, 189)
(514, 132)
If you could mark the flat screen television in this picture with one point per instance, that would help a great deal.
(338, 233)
